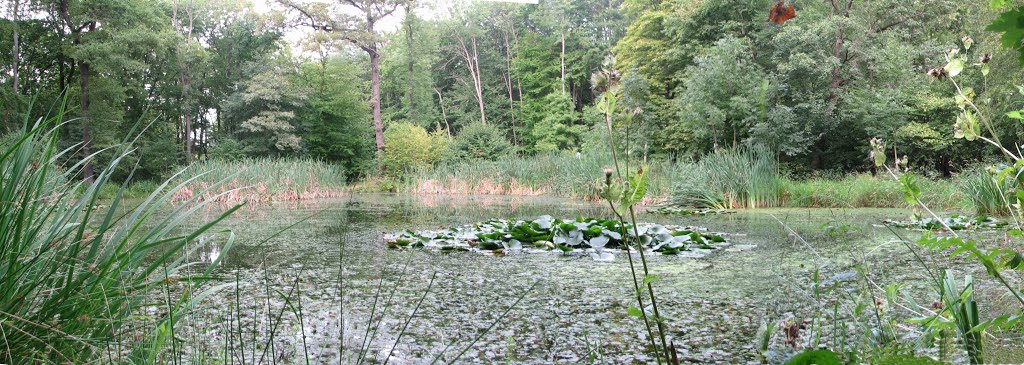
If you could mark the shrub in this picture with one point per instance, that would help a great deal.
(410, 146)
(480, 142)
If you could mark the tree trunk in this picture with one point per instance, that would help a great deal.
(83, 85)
(479, 85)
(562, 57)
(185, 79)
(378, 124)
(508, 84)
(440, 102)
(411, 66)
(15, 50)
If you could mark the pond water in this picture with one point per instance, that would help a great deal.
(331, 269)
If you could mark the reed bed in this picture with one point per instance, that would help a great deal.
(730, 179)
(557, 174)
(866, 191)
(262, 180)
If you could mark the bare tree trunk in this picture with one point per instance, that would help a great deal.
(83, 84)
(440, 101)
(15, 48)
(508, 84)
(479, 85)
(185, 79)
(840, 10)
(378, 124)
(473, 64)
(410, 64)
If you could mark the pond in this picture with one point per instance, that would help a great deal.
(331, 268)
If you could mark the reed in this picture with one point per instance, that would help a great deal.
(560, 174)
(730, 178)
(74, 274)
(985, 194)
(262, 180)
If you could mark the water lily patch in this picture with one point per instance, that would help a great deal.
(600, 238)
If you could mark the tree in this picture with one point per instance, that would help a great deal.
(265, 109)
(354, 21)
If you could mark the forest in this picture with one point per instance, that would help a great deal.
(223, 80)
(511, 181)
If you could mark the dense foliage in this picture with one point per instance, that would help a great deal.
(219, 78)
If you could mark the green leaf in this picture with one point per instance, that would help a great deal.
(635, 312)
(637, 188)
(815, 357)
(1015, 115)
(1011, 24)
(911, 189)
(998, 4)
(954, 67)
(651, 279)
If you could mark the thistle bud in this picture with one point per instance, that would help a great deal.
(985, 58)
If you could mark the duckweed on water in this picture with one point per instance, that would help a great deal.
(955, 222)
(598, 237)
(686, 211)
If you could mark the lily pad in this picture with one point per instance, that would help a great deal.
(599, 237)
(955, 222)
(674, 210)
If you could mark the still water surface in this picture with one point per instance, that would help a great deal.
(335, 272)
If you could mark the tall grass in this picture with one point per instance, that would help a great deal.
(558, 174)
(730, 178)
(866, 191)
(985, 194)
(262, 180)
(73, 276)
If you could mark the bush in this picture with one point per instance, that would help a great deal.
(479, 142)
(410, 147)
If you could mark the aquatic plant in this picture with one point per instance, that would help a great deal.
(261, 180)
(596, 236)
(986, 195)
(674, 210)
(746, 177)
(954, 222)
(75, 274)
(560, 174)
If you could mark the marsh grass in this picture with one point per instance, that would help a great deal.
(262, 180)
(866, 191)
(557, 174)
(74, 275)
(985, 194)
(746, 177)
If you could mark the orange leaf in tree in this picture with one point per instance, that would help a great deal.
(781, 12)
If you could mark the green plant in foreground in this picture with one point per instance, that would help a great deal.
(622, 194)
(73, 276)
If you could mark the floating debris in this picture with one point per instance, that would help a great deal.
(668, 209)
(597, 237)
(955, 222)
